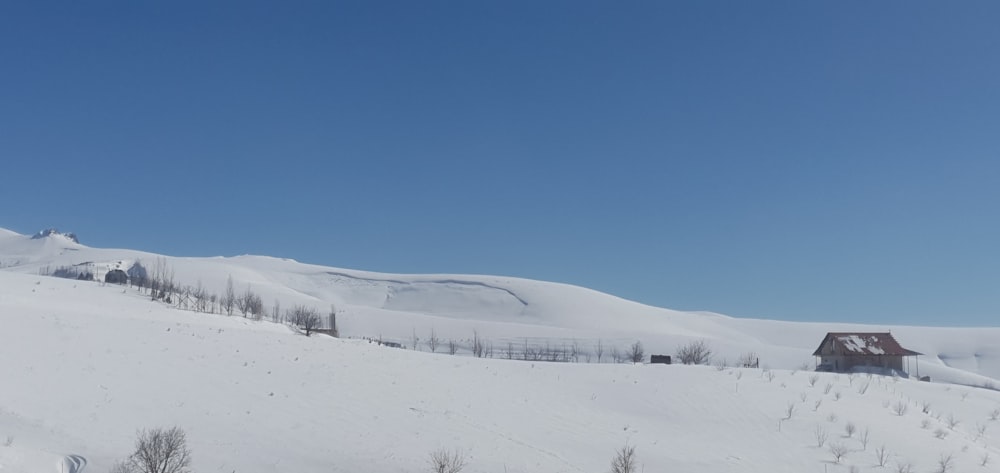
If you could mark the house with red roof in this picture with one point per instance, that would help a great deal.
(863, 351)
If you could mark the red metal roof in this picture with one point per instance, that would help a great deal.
(865, 344)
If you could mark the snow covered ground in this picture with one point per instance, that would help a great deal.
(84, 365)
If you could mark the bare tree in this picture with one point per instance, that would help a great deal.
(444, 461)
(452, 347)
(748, 360)
(624, 460)
(305, 317)
(276, 311)
(599, 349)
(160, 451)
(616, 355)
(433, 341)
(636, 353)
(200, 297)
(415, 339)
(694, 353)
(229, 297)
(243, 301)
(838, 450)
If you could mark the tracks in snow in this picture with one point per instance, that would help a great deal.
(73, 464)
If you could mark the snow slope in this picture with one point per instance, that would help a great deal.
(83, 366)
(509, 310)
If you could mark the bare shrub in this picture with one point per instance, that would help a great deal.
(838, 450)
(837, 396)
(902, 467)
(812, 379)
(900, 408)
(827, 388)
(940, 433)
(849, 429)
(160, 451)
(995, 414)
(952, 421)
(624, 460)
(229, 297)
(307, 318)
(636, 353)
(121, 466)
(816, 405)
(444, 461)
(769, 375)
(452, 347)
(8, 441)
(864, 436)
(275, 311)
(881, 456)
(985, 459)
(433, 341)
(748, 360)
(925, 424)
(694, 353)
(945, 463)
(980, 431)
(925, 407)
(478, 345)
(616, 355)
(789, 410)
(821, 436)
(864, 387)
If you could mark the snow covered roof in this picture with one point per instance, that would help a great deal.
(865, 343)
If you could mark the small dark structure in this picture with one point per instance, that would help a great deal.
(659, 359)
(116, 276)
(845, 351)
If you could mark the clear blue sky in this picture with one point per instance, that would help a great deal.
(833, 161)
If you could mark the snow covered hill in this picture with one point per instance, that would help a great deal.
(507, 310)
(84, 365)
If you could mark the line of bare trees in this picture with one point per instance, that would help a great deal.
(526, 350)
(159, 283)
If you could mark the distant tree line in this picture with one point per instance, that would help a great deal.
(159, 282)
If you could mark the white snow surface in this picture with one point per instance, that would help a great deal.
(857, 344)
(84, 365)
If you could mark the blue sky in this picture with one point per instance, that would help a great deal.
(833, 161)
